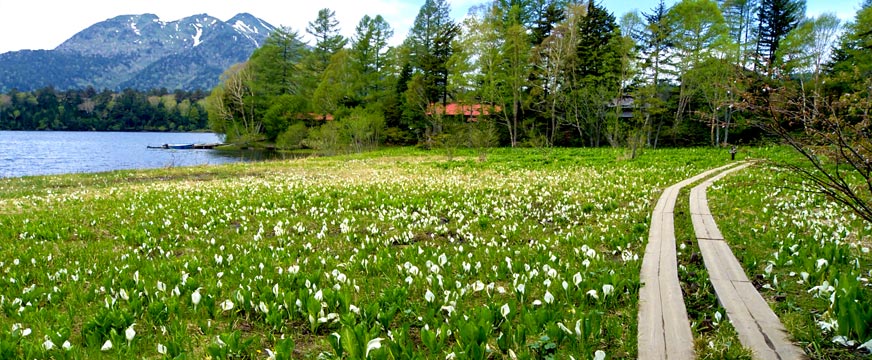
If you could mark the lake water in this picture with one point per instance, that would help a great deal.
(24, 153)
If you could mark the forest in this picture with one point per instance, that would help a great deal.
(552, 73)
(90, 110)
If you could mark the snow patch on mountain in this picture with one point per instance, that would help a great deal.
(133, 26)
(198, 34)
(241, 26)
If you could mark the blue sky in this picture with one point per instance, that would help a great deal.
(44, 24)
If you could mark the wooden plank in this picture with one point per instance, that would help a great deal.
(758, 327)
(699, 227)
(664, 328)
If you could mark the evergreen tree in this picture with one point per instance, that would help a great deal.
(325, 30)
(775, 19)
(546, 15)
(430, 43)
(368, 52)
(854, 52)
(275, 65)
(596, 58)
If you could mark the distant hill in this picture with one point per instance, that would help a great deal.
(140, 52)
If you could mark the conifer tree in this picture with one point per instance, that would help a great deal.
(325, 29)
(775, 19)
(430, 43)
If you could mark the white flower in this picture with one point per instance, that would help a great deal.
(593, 294)
(195, 297)
(25, 332)
(226, 305)
(124, 295)
(66, 345)
(548, 297)
(718, 317)
(866, 345)
(821, 263)
(537, 302)
(372, 345)
(843, 340)
(161, 286)
(106, 345)
(827, 326)
(130, 333)
(505, 310)
(354, 309)
(520, 288)
(319, 295)
(450, 356)
(599, 355)
(564, 328)
(576, 279)
(220, 342)
(608, 289)
(429, 296)
(48, 344)
(262, 307)
(161, 349)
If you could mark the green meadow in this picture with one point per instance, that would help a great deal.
(403, 254)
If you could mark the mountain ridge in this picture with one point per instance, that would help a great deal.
(139, 51)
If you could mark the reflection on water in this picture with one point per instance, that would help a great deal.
(24, 153)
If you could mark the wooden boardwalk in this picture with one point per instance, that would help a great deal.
(757, 325)
(664, 329)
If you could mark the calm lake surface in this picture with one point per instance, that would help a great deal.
(24, 153)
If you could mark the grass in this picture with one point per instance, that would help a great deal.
(794, 244)
(398, 253)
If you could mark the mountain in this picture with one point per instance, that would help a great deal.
(140, 52)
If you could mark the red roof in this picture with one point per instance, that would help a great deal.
(314, 116)
(471, 110)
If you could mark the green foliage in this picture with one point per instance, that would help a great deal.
(293, 137)
(776, 19)
(284, 111)
(806, 254)
(328, 41)
(275, 65)
(231, 346)
(430, 40)
(326, 138)
(108, 324)
(363, 129)
(90, 110)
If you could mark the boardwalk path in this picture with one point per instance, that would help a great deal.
(758, 327)
(664, 330)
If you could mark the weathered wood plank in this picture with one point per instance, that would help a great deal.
(664, 328)
(758, 327)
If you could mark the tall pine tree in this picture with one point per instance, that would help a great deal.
(325, 30)
(775, 19)
(430, 43)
